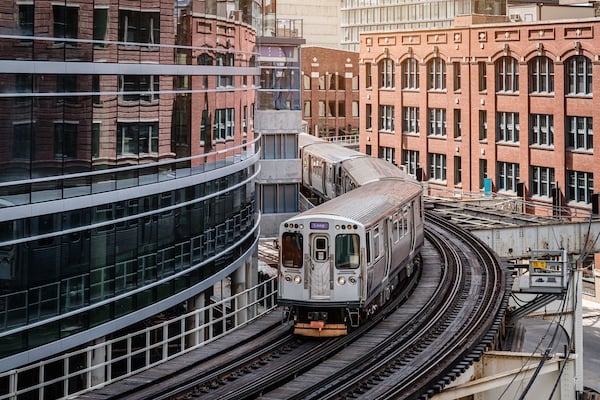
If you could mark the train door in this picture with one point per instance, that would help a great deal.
(320, 273)
(412, 227)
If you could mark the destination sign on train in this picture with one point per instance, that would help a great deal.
(319, 225)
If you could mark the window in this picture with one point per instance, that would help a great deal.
(508, 176)
(137, 138)
(387, 74)
(331, 81)
(456, 73)
(100, 24)
(65, 21)
(139, 26)
(355, 109)
(368, 76)
(410, 159)
(437, 167)
(331, 108)
(457, 170)
(67, 84)
(307, 110)
(508, 127)
(96, 139)
(386, 118)
(279, 146)
(410, 74)
(369, 116)
(542, 179)
(65, 140)
(321, 108)
(341, 108)
(292, 250)
(482, 70)
(321, 82)
(143, 88)
(223, 127)
(483, 125)
(355, 86)
(580, 186)
(437, 122)
(347, 251)
(507, 75)
(410, 120)
(387, 153)
(245, 119)
(436, 71)
(26, 12)
(579, 133)
(579, 75)
(306, 82)
(341, 82)
(225, 60)
(23, 84)
(541, 75)
(483, 173)
(279, 198)
(22, 140)
(457, 123)
(542, 130)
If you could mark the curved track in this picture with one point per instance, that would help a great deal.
(431, 333)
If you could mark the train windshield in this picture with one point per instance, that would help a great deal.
(291, 250)
(347, 251)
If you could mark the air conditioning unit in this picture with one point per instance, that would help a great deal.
(515, 17)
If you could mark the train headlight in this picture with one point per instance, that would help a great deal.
(297, 279)
(352, 280)
(287, 278)
(341, 280)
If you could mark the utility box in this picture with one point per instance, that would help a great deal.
(548, 271)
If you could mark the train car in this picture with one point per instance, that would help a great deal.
(359, 171)
(340, 261)
(321, 167)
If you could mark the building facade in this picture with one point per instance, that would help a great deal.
(360, 16)
(488, 109)
(127, 165)
(330, 91)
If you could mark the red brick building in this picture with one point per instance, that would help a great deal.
(330, 91)
(500, 108)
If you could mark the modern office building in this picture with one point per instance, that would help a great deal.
(505, 108)
(278, 118)
(128, 162)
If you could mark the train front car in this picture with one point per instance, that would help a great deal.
(320, 264)
(340, 261)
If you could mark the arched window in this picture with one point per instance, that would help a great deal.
(578, 79)
(436, 74)
(387, 73)
(541, 75)
(410, 74)
(507, 75)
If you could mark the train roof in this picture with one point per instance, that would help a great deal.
(332, 152)
(304, 139)
(369, 203)
(368, 169)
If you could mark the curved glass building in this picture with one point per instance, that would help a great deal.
(127, 163)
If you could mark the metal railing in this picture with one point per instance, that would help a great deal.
(83, 370)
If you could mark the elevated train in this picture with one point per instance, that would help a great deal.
(341, 260)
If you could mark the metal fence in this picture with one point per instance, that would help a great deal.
(109, 360)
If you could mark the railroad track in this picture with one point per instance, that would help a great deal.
(414, 347)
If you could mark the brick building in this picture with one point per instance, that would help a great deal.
(496, 108)
(330, 91)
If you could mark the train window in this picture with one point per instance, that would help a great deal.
(368, 247)
(375, 243)
(291, 250)
(320, 252)
(347, 251)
